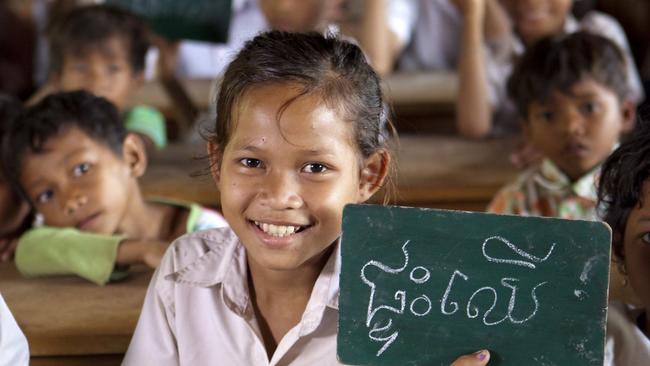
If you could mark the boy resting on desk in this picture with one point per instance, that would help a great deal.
(78, 167)
(573, 99)
(102, 49)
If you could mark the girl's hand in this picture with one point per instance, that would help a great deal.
(479, 358)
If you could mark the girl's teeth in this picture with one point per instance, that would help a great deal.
(277, 230)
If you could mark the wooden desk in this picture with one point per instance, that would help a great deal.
(402, 89)
(433, 171)
(68, 316)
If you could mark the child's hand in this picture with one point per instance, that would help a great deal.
(7, 248)
(134, 251)
(479, 358)
(154, 254)
(525, 155)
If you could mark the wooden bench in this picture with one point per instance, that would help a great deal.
(70, 321)
(422, 101)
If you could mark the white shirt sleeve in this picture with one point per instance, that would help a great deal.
(14, 350)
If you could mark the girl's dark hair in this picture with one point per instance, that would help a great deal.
(10, 108)
(88, 27)
(95, 116)
(558, 62)
(335, 70)
(620, 188)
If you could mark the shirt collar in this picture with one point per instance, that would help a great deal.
(225, 264)
(554, 180)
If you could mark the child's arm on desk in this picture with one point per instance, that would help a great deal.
(63, 251)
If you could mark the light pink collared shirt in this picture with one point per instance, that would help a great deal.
(198, 311)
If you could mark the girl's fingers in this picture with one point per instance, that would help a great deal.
(479, 358)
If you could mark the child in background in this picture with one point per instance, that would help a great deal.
(102, 50)
(14, 350)
(300, 133)
(532, 21)
(248, 18)
(574, 102)
(75, 162)
(14, 211)
(624, 192)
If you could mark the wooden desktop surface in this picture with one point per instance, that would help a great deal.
(433, 171)
(440, 87)
(67, 316)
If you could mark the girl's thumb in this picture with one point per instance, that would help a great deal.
(479, 358)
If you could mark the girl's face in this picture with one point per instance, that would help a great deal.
(284, 182)
(636, 247)
(535, 19)
(295, 15)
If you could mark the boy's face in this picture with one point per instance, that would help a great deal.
(79, 182)
(535, 19)
(578, 131)
(636, 247)
(295, 15)
(104, 71)
(284, 183)
(13, 210)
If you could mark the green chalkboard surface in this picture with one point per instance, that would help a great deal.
(424, 286)
(202, 20)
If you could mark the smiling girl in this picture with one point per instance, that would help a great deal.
(300, 133)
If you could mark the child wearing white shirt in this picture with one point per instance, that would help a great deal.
(13, 344)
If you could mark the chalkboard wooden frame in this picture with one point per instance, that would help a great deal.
(423, 286)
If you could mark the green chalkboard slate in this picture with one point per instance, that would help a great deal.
(202, 20)
(424, 286)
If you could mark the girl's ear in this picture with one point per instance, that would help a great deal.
(628, 115)
(373, 174)
(215, 162)
(134, 154)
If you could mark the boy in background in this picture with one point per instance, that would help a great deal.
(78, 167)
(574, 102)
(14, 211)
(102, 49)
(532, 20)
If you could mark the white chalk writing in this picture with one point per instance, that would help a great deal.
(421, 305)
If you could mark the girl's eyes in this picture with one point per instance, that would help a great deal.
(251, 163)
(44, 197)
(589, 107)
(112, 69)
(546, 115)
(315, 168)
(646, 238)
(80, 169)
(80, 67)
